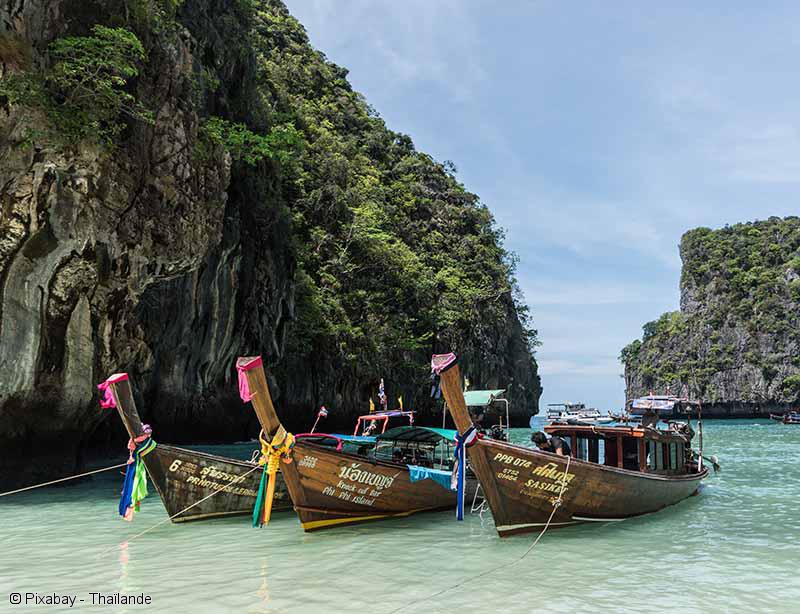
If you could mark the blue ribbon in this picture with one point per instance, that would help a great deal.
(130, 474)
(460, 454)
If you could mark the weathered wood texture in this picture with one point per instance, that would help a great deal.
(187, 478)
(330, 488)
(522, 484)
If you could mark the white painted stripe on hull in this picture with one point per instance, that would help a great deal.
(585, 519)
(514, 527)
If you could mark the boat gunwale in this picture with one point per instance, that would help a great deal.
(626, 472)
(208, 455)
(374, 461)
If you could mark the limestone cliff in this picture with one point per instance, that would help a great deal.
(167, 253)
(735, 343)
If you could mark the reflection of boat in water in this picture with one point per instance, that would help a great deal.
(575, 413)
(617, 472)
(192, 485)
(792, 417)
(334, 479)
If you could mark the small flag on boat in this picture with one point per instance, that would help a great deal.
(382, 395)
(371, 405)
(322, 413)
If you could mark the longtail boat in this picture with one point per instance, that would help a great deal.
(617, 472)
(792, 417)
(333, 484)
(192, 485)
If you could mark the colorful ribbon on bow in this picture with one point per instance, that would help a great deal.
(107, 400)
(280, 448)
(134, 489)
(463, 441)
(244, 386)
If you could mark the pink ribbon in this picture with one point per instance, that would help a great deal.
(107, 397)
(242, 367)
(440, 362)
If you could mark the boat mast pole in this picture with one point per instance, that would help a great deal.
(700, 426)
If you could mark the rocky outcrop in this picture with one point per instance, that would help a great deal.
(734, 344)
(142, 258)
(148, 258)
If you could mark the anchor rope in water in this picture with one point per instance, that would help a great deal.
(556, 505)
(186, 509)
(72, 477)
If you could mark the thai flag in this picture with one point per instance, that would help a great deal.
(323, 413)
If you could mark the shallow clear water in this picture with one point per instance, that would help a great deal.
(733, 548)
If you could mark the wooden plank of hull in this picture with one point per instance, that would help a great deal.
(184, 477)
(521, 484)
(325, 486)
(528, 483)
(334, 488)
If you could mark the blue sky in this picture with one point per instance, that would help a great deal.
(596, 132)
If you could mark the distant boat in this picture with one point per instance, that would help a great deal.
(575, 413)
(792, 417)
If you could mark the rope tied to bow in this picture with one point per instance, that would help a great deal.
(463, 441)
(272, 453)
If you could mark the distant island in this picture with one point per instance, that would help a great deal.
(735, 342)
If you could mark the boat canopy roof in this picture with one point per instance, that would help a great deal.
(482, 398)
(385, 415)
(655, 402)
(332, 439)
(662, 404)
(417, 434)
(614, 431)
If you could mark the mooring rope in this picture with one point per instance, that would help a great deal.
(72, 477)
(186, 509)
(556, 505)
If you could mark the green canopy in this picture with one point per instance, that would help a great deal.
(481, 398)
(422, 434)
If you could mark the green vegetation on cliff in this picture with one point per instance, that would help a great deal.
(83, 92)
(393, 252)
(737, 335)
(388, 256)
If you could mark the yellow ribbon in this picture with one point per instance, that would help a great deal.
(271, 454)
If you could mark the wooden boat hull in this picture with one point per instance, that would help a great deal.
(331, 488)
(184, 477)
(528, 488)
(193, 485)
(335, 488)
(523, 484)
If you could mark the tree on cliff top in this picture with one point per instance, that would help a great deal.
(394, 254)
(83, 93)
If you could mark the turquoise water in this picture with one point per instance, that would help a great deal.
(733, 548)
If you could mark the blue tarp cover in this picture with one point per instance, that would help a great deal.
(442, 478)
